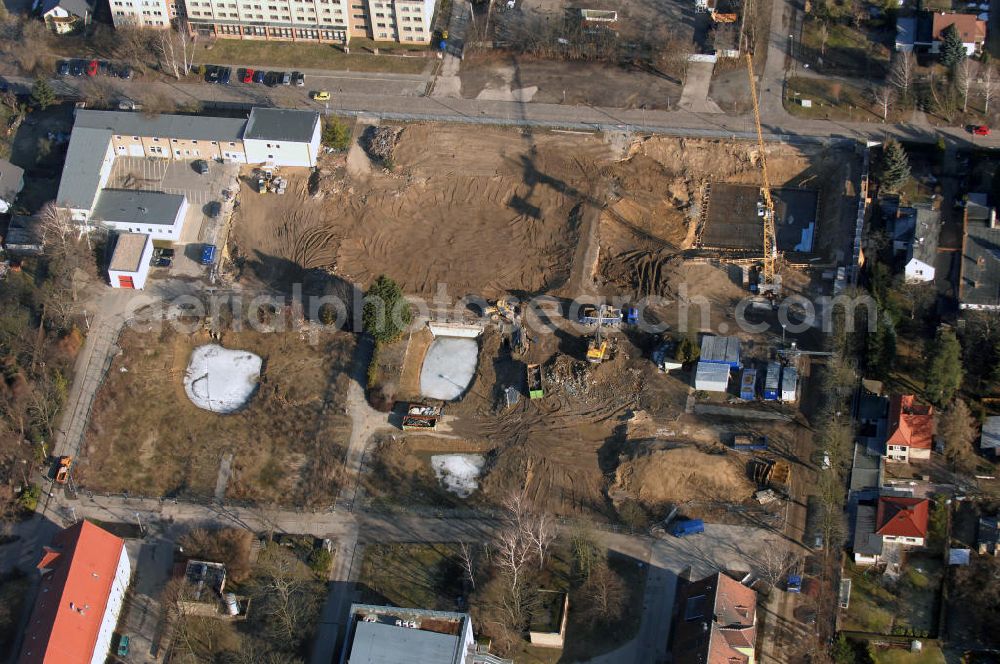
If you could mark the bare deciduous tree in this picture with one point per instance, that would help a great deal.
(468, 563)
(56, 226)
(988, 86)
(774, 563)
(176, 50)
(965, 73)
(901, 74)
(883, 97)
(823, 32)
(604, 593)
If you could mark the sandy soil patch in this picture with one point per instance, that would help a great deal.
(681, 474)
(146, 436)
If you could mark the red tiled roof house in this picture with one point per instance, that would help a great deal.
(971, 31)
(911, 429)
(716, 622)
(85, 573)
(902, 520)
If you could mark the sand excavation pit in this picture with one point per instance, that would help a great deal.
(655, 210)
(657, 477)
(220, 379)
(482, 209)
(449, 365)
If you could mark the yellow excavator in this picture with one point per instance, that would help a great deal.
(597, 347)
(502, 308)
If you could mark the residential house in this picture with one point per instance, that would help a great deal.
(378, 634)
(913, 33)
(155, 14)
(279, 137)
(910, 429)
(892, 521)
(716, 622)
(915, 233)
(85, 573)
(402, 21)
(66, 16)
(988, 536)
(11, 184)
(979, 281)
(971, 30)
(989, 440)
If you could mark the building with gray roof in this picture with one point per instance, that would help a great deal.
(386, 635)
(989, 441)
(89, 159)
(11, 183)
(186, 127)
(979, 283)
(281, 124)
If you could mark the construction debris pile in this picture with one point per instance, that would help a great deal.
(380, 142)
(659, 476)
(607, 385)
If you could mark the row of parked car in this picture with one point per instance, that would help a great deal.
(224, 75)
(93, 68)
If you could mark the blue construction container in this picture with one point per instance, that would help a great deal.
(687, 527)
(772, 382)
(748, 384)
(208, 254)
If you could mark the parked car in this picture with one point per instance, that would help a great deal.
(298, 79)
(980, 130)
(200, 166)
(321, 95)
(213, 209)
(161, 261)
(63, 68)
(211, 74)
(104, 68)
(225, 75)
(77, 67)
(128, 105)
(286, 78)
(92, 68)
(167, 252)
(248, 75)
(124, 72)
(123, 643)
(258, 76)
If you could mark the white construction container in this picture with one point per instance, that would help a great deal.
(789, 384)
(711, 377)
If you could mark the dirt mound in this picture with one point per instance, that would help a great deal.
(681, 474)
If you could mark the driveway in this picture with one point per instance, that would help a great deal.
(695, 95)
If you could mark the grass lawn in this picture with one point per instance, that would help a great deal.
(426, 576)
(881, 606)
(931, 654)
(848, 51)
(307, 56)
(145, 436)
(831, 100)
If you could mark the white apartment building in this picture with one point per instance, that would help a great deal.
(405, 21)
(143, 13)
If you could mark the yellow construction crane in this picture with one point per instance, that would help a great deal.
(767, 284)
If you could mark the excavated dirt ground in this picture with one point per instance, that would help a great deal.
(656, 193)
(484, 210)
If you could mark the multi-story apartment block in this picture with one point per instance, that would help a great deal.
(143, 13)
(405, 21)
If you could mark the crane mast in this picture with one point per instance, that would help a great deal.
(768, 284)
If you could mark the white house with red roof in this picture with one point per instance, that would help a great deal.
(892, 521)
(85, 573)
(911, 429)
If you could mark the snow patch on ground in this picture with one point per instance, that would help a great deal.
(449, 365)
(220, 379)
(459, 473)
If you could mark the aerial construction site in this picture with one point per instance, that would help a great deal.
(563, 402)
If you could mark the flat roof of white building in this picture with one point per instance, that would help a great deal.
(128, 252)
(130, 206)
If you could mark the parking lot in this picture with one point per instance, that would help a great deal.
(201, 190)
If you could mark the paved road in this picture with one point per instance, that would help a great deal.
(777, 124)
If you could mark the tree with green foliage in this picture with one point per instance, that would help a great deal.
(880, 347)
(952, 49)
(894, 168)
(386, 313)
(943, 368)
(687, 351)
(336, 134)
(842, 651)
(42, 93)
(957, 431)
